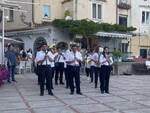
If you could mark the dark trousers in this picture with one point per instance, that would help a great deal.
(37, 73)
(87, 70)
(104, 78)
(59, 71)
(93, 72)
(12, 71)
(45, 74)
(67, 77)
(74, 73)
(53, 72)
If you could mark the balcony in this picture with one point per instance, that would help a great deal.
(124, 6)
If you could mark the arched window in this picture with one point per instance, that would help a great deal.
(38, 43)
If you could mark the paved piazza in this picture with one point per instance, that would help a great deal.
(128, 94)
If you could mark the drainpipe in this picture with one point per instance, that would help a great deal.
(76, 8)
(33, 21)
(117, 12)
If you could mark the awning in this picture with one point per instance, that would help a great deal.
(10, 40)
(113, 35)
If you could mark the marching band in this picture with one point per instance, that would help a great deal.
(53, 63)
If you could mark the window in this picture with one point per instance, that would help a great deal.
(96, 11)
(46, 12)
(1, 14)
(122, 1)
(123, 20)
(143, 53)
(124, 48)
(11, 15)
(146, 17)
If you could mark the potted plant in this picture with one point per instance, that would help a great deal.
(117, 55)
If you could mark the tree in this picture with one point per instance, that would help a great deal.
(87, 28)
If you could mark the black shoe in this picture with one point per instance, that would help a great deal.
(71, 93)
(9, 81)
(14, 81)
(79, 93)
(107, 92)
(61, 83)
(52, 88)
(102, 92)
(95, 86)
(41, 94)
(51, 93)
(56, 83)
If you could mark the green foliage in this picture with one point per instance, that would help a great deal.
(117, 53)
(67, 13)
(87, 27)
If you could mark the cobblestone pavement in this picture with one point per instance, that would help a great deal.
(128, 94)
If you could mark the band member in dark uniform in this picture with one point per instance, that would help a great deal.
(59, 65)
(73, 61)
(52, 52)
(106, 62)
(66, 69)
(44, 61)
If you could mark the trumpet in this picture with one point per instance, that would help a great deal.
(88, 61)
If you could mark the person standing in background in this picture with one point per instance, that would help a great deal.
(29, 54)
(87, 64)
(11, 56)
(94, 71)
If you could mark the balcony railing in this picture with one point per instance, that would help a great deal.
(124, 6)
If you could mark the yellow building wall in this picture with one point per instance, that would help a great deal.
(68, 6)
(56, 10)
(108, 10)
(137, 43)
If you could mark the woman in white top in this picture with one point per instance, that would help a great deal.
(29, 54)
(93, 69)
(106, 62)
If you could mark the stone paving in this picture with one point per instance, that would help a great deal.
(128, 94)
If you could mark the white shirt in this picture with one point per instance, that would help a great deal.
(87, 62)
(94, 57)
(71, 57)
(40, 56)
(52, 56)
(29, 55)
(103, 59)
(60, 58)
(66, 55)
(147, 63)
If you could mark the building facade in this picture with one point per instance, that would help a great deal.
(33, 24)
(140, 18)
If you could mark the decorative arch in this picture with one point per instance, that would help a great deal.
(37, 44)
(62, 45)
